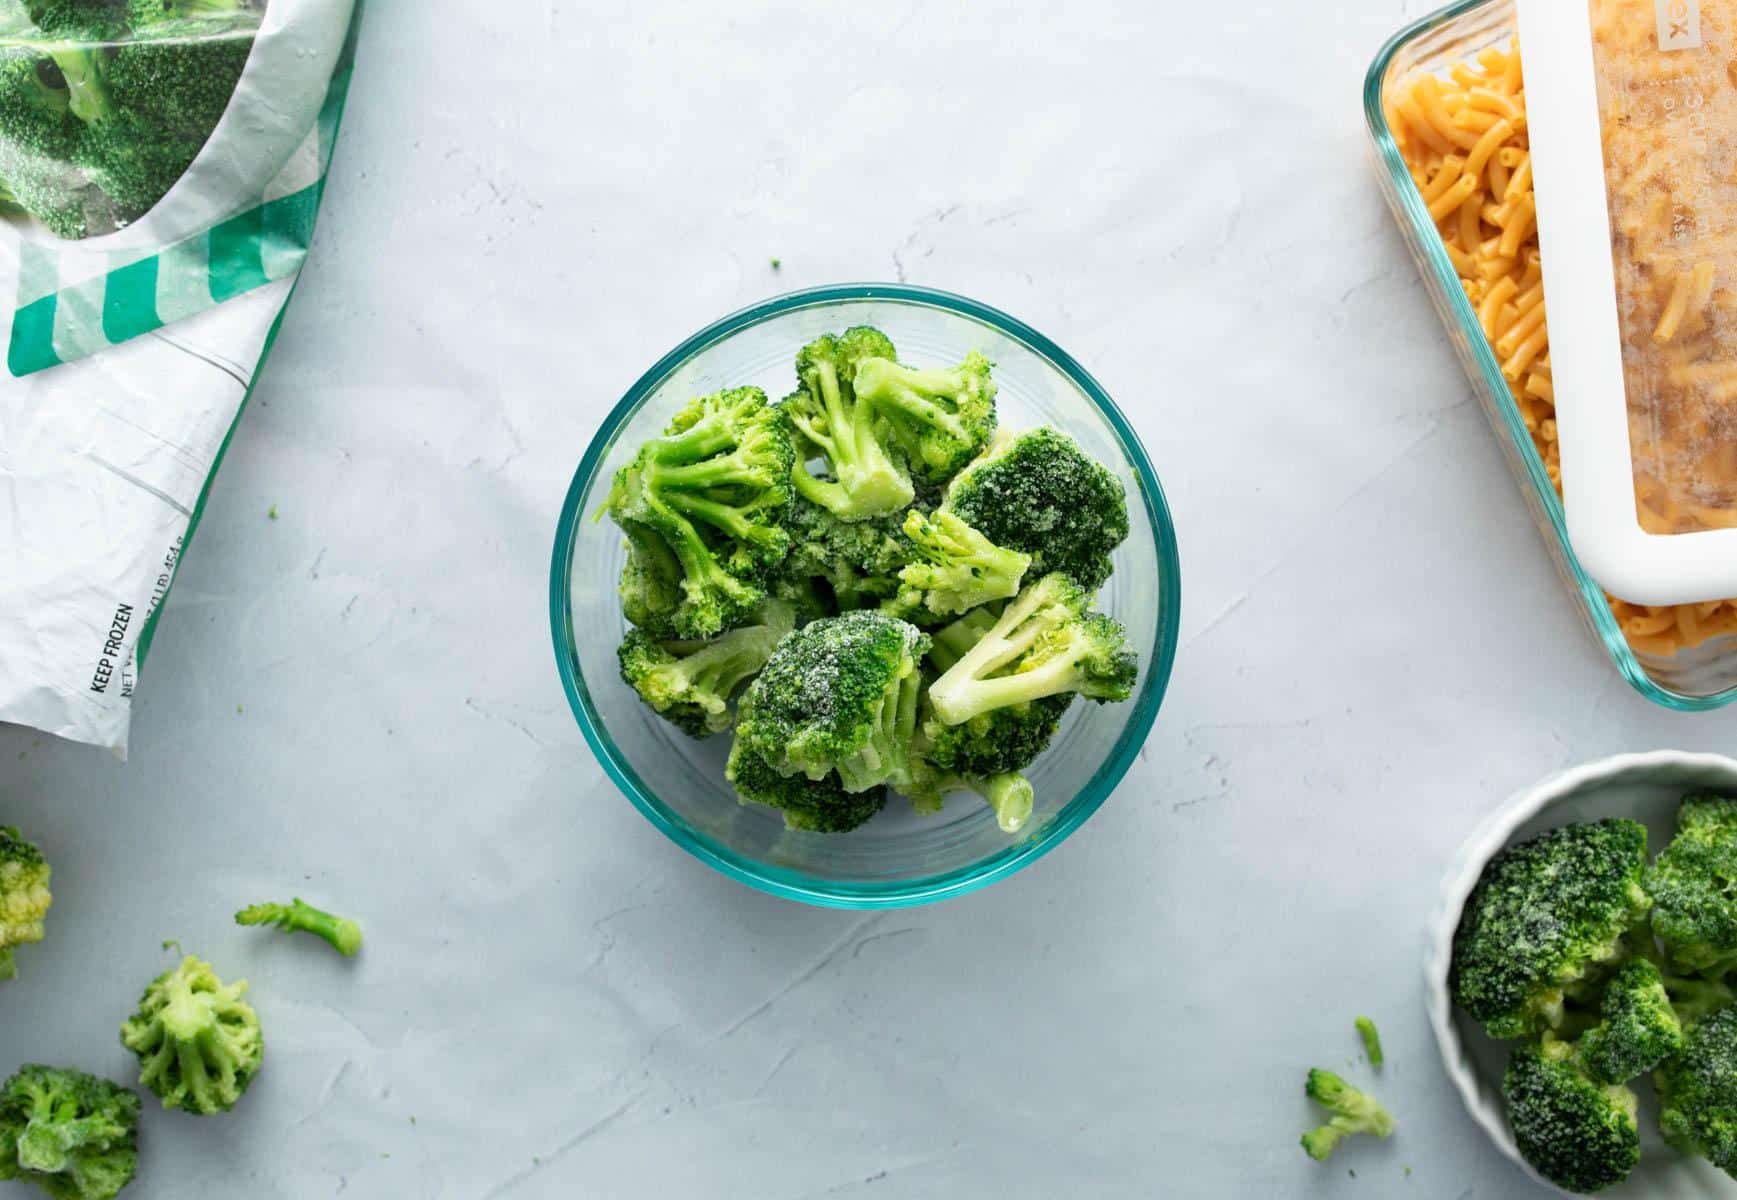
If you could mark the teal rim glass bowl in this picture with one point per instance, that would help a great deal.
(899, 858)
(1692, 680)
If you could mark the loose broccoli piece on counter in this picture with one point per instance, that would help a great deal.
(839, 694)
(1578, 1133)
(1692, 883)
(1547, 915)
(73, 1135)
(1639, 1030)
(1039, 493)
(198, 1041)
(832, 421)
(24, 896)
(1371, 1040)
(815, 805)
(690, 684)
(953, 569)
(1698, 1092)
(1046, 642)
(940, 418)
(298, 916)
(713, 490)
(858, 562)
(1353, 1112)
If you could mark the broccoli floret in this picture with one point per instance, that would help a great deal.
(1694, 998)
(1578, 1133)
(73, 1135)
(867, 478)
(690, 684)
(1353, 1112)
(1639, 1029)
(815, 805)
(198, 1041)
(953, 569)
(1546, 915)
(39, 139)
(298, 916)
(1039, 493)
(840, 695)
(940, 418)
(857, 561)
(1371, 1041)
(24, 896)
(1692, 882)
(714, 490)
(1003, 739)
(1046, 642)
(1698, 1091)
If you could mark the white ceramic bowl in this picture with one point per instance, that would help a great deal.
(1645, 787)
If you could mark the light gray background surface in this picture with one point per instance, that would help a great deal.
(357, 702)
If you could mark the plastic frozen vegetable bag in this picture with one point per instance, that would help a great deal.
(161, 165)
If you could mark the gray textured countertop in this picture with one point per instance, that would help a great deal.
(356, 702)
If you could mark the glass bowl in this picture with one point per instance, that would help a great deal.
(899, 858)
(1693, 680)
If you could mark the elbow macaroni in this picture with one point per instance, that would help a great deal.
(1464, 139)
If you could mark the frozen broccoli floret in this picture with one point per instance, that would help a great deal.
(73, 1135)
(1577, 1132)
(940, 418)
(858, 562)
(39, 140)
(24, 896)
(1546, 915)
(1639, 1029)
(298, 916)
(1698, 1091)
(713, 489)
(690, 684)
(815, 805)
(1046, 642)
(1353, 1112)
(840, 695)
(1039, 493)
(198, 1041)
(954, 568)
(867, 478)
(1692, 884)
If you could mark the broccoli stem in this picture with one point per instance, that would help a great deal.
(903, 390)
(80, 64)
(343, 934)
(1011, 797)
(1371, 1040)
(868, 482)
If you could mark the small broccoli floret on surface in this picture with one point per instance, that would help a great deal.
(690, 684)
(1639, 1030)
(1039, 493)
(298, 916)
(72, 1135)
(1371, 1040)
(1547, 914)
(1352, 1112)
(940, 418)
(24, 896)
(1698, 1092)
(198, 1041)
(858, 562)
(839, 694)
(1578, 1133)
(867, 478)
(1693, 883)
(814, 805)
(1046, 642)
(954, 568)
(713, 489)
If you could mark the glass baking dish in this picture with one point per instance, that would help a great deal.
(1693, 679)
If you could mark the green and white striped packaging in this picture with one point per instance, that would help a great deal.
(129, 358)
